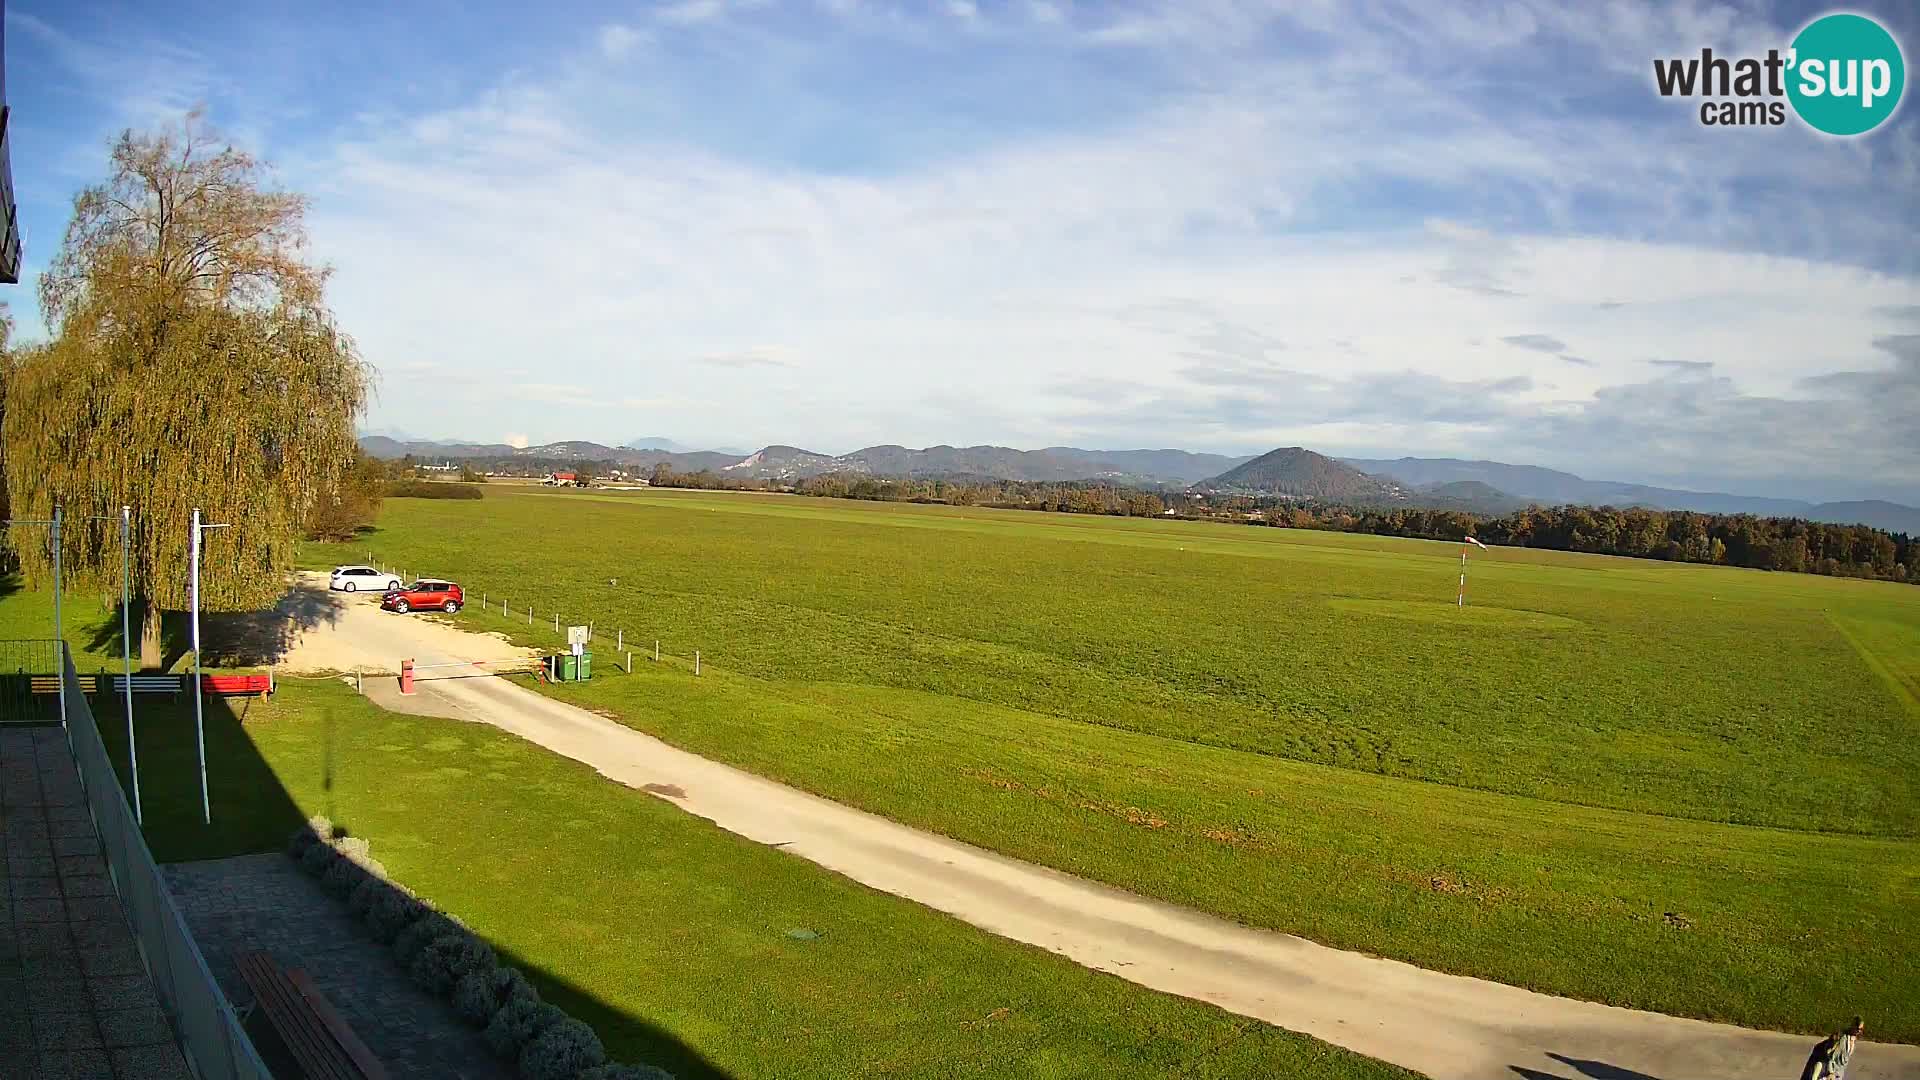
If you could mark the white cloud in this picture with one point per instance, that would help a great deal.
(617, 40)
(688, 12)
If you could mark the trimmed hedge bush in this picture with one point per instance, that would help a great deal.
(361, 900)
(516, 1023)
(314, 831)
(423, 932)
(440, 965)
(479, 994)
(341, 877)
(392, 911)
(317, 858)
(560, 1051)
(625, 1072)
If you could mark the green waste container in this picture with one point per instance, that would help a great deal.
(586, 665)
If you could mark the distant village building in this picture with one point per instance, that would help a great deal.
(562, 479)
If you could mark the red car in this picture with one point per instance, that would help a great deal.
(427, 594)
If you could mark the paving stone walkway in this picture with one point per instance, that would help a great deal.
(264, 902)
(75, 1000)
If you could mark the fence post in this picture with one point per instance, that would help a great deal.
(656, 650)
(556, 622)
(529, 614)
(696, 661)
(629, 661)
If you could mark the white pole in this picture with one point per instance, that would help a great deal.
(696, 661)
(1460, 599)
(199, 722)
(556, 622)
(619, 639)
(59, 627)
(126, 652)
(656, 650)
(629, 661)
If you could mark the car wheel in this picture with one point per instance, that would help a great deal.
(392, 584)
(402, 606)
(452, 607)
(350, 587)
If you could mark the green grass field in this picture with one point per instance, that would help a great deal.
(1671, 787)
(667, 934)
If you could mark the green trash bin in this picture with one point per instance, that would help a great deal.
(586, 665)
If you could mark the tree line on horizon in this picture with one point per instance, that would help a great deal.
(1792, 545)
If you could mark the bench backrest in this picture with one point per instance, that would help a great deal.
(247, 683)
(146, 683)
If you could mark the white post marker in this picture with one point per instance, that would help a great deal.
(1460, 599)
(199, 721)
(59, 628)
(126, 654)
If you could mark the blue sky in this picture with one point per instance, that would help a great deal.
(1368, 228)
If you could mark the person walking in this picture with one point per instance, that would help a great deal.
(1831, 1054)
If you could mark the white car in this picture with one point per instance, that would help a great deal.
(361, 579)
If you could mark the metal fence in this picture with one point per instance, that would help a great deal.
(23, 664)
(216, 1046)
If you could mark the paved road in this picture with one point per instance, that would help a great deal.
(1446, 1026)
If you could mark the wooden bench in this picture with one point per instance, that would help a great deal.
(315, 1036)
(45, 684)
(142, 684)
(233, 685)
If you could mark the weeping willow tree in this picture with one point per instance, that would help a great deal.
(193, 363)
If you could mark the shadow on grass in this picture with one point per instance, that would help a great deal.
(253, 812)
(176, 635)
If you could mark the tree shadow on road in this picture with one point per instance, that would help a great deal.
(263, 638)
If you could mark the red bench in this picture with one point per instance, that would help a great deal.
(235, 685)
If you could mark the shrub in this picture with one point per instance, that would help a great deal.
(479, 994)
(516, 1023)
(317, 858)
(445, 959)
(341, 877)
(625, 1072)
(430, 489)
(393, 911)
(561, 1051)
(423, 932)
(366, 894)
(315, 830)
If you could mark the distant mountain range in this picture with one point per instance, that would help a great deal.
(1482, 486)
(1527, 484)
(1156, 468)
(1301, 473)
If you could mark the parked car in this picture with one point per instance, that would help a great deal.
(361, 579)
(427, 594)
